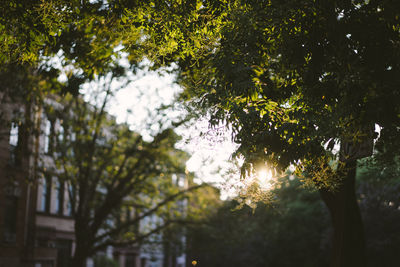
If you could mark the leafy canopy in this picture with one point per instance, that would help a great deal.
(293, 76)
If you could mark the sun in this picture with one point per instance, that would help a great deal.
(264, 178)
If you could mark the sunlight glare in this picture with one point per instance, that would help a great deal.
(264, 178)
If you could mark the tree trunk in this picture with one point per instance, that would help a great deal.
(80, 257)
(348, 236)
(82, 248)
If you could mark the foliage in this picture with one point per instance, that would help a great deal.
(288, 76)
(293, 230)
(294, 77)
(77, 39)
(87, 33)
(252, 194)
(379, 203)
(273, 235)
(82, 40)
(203, 203)
(41, 40)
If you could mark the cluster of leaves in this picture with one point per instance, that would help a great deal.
(86, 31)
(320, 173)
(252, 194)
(83, 35)
(92, 34)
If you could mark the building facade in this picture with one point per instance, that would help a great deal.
(36, 223)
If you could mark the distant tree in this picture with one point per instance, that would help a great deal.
(277, 234)
(378, 194)
(108, 169)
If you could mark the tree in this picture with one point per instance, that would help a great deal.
(296, 80)
(107, 169)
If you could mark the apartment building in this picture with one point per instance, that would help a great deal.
(36, 223)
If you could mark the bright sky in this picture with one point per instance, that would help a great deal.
(210, 154)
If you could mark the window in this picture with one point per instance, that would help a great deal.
(14, 134)
(13, 141)
(59, 147)
(48, 137)
(59, 197)
(46, 194)
(71, 197)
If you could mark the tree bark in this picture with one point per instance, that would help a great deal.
(80, 257)
(348, 236)
(82, 239)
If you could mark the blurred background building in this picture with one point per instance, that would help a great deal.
(36, 223)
